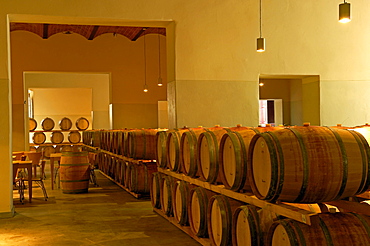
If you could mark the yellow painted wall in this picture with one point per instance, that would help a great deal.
(215, 41)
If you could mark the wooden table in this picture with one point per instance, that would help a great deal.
(53, 157)
(28, 166)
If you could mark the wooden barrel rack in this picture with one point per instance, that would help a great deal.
(113, 163)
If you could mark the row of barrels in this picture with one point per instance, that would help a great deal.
(229, 222)
(140, 144)
(131, 174)
(56, 137)
(47, 150)
(301, 164)
(65, 124)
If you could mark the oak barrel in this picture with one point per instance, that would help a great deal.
(308, 164)
(166, 195)
(38, 137)
(207, 153)
(82, 123)
(233, 158)
(56, 137)
(155, 190)
(325, 229)
(197, 210)
(142, 144)
(140, 177)
(65, 124)
(180, 195)
(246, 227)
(173, 149)
(47, 124)
(219, 219)
(32, 124)
(74, 172)
(161, 154)
(188, 151)
(74, 137)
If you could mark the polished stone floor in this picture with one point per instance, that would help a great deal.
(106, 215)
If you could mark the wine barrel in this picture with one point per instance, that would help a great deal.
(166, 195)
(65, 124)
(47, 151)
(38, 138)
(47, 124)
(140, 177)
(173, 149)
(142, 144)
(124, 144)
(180, 199)
(308, 164)
(32, 124)
(325, 229)
(233, 158)
(82, 124)
(74, 137)
(155, 190)
(128, 170)
(219, 219)
(57, 137)
(188, 151)
(161, 155)
(207, 153)
(74, 172)
(197, 210)
(246, 227)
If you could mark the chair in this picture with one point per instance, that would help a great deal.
(92, 160)
(18, 182)
(35, 157)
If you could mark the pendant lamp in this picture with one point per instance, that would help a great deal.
(159, 62)
(344, 12)
(260, 40)
(145, 85)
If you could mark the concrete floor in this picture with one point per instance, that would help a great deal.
(106, 215)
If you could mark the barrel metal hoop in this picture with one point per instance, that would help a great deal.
(236, 183)
(192, 139)
(298, 230)
(203, 222)
(274, 165)
(364, 223)
(306, 170)
(291, 235)
(253, 222)
(365, 160)
(225, 212)
(243, 162)
(344, 162)
(326, 232)
(213, 154)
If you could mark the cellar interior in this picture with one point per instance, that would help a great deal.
(166, 115)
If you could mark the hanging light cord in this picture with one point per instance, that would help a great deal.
(144, 60)
(260, 18)
(159, 56)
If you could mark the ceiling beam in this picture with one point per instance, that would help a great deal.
(139, 33)
(93, 32)
(45, 31)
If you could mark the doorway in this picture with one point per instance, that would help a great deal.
(289, 99)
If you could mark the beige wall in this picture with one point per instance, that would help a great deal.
(215, 41)
(122, 58)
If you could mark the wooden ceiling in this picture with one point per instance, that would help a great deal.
(88, 31)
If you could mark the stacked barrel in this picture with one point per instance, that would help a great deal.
(127, 156)
(305, 166)
(50, 140)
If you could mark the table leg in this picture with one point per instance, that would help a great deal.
(52, 172)
(30, 183)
